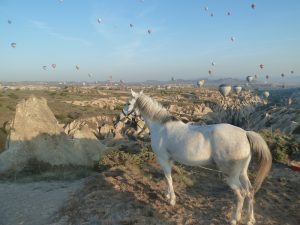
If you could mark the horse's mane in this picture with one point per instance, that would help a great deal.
(154, 110)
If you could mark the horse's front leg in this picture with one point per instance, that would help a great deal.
(167, 168)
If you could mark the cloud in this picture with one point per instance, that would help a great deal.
(48, 30)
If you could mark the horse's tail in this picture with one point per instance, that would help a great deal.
(260, 147)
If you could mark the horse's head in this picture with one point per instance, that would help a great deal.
(130, 107)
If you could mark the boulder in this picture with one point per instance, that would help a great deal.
(105, 131)
(36, 134)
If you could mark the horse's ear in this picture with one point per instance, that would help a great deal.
(133, 93)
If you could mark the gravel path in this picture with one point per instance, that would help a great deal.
(34, 203)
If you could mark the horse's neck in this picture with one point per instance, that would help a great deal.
(150, 124)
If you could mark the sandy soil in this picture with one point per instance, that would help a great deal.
(128, 191)
(126, 194)
(34, 203)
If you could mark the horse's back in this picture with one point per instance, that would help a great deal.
(185, 144)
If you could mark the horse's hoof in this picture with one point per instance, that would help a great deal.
(251, 222)
(172, 202)
(233, 222)
(168, 196)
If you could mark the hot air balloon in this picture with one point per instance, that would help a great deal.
(213, 64)
(211, 14)
(228, 13)
(249, 79)
(99, 20)
(44, 67)
(224, 89)
(9, 21)
(149, 31)
(200, 83)
(237, 89)
(232, 39)
(267, 77)
(253, 6)
(282, 75)
(209, 72)
(292, 71)
(131, 25)
(13, 44)
(53, 66)
(261, 66)
(77, 67)
(266, 94)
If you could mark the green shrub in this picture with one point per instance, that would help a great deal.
(11, 108)
(282, 146)
(63, 118)
(120, 157)
(13, 95)
(2, 139)
(52, 93)
(119, 107)
(74, 115)
(297, 130)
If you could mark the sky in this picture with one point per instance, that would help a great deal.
(184, 40)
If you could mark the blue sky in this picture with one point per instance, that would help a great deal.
(184, 41)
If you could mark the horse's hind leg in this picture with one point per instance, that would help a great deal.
(250, 198)
(248, 193)
(250, 208)
(167, 168)
(234, 183)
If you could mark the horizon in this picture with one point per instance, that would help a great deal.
(110, 40)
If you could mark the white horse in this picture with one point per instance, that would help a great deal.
(229, 147)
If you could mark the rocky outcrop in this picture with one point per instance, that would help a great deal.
(193, 112)
(285, 119)
(110, 103)
(36, 134)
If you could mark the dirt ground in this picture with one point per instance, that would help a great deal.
(34, 203)
(129, 194)
(126, 194)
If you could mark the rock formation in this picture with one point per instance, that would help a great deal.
(36, 134)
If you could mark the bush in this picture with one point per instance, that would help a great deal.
(62, 118)
(119, 107)
(2, 140)
(11, 108)
(13, 95)
(119, 157)
(52, 93)
(297, 130)
(282, 146)
(74, 115)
